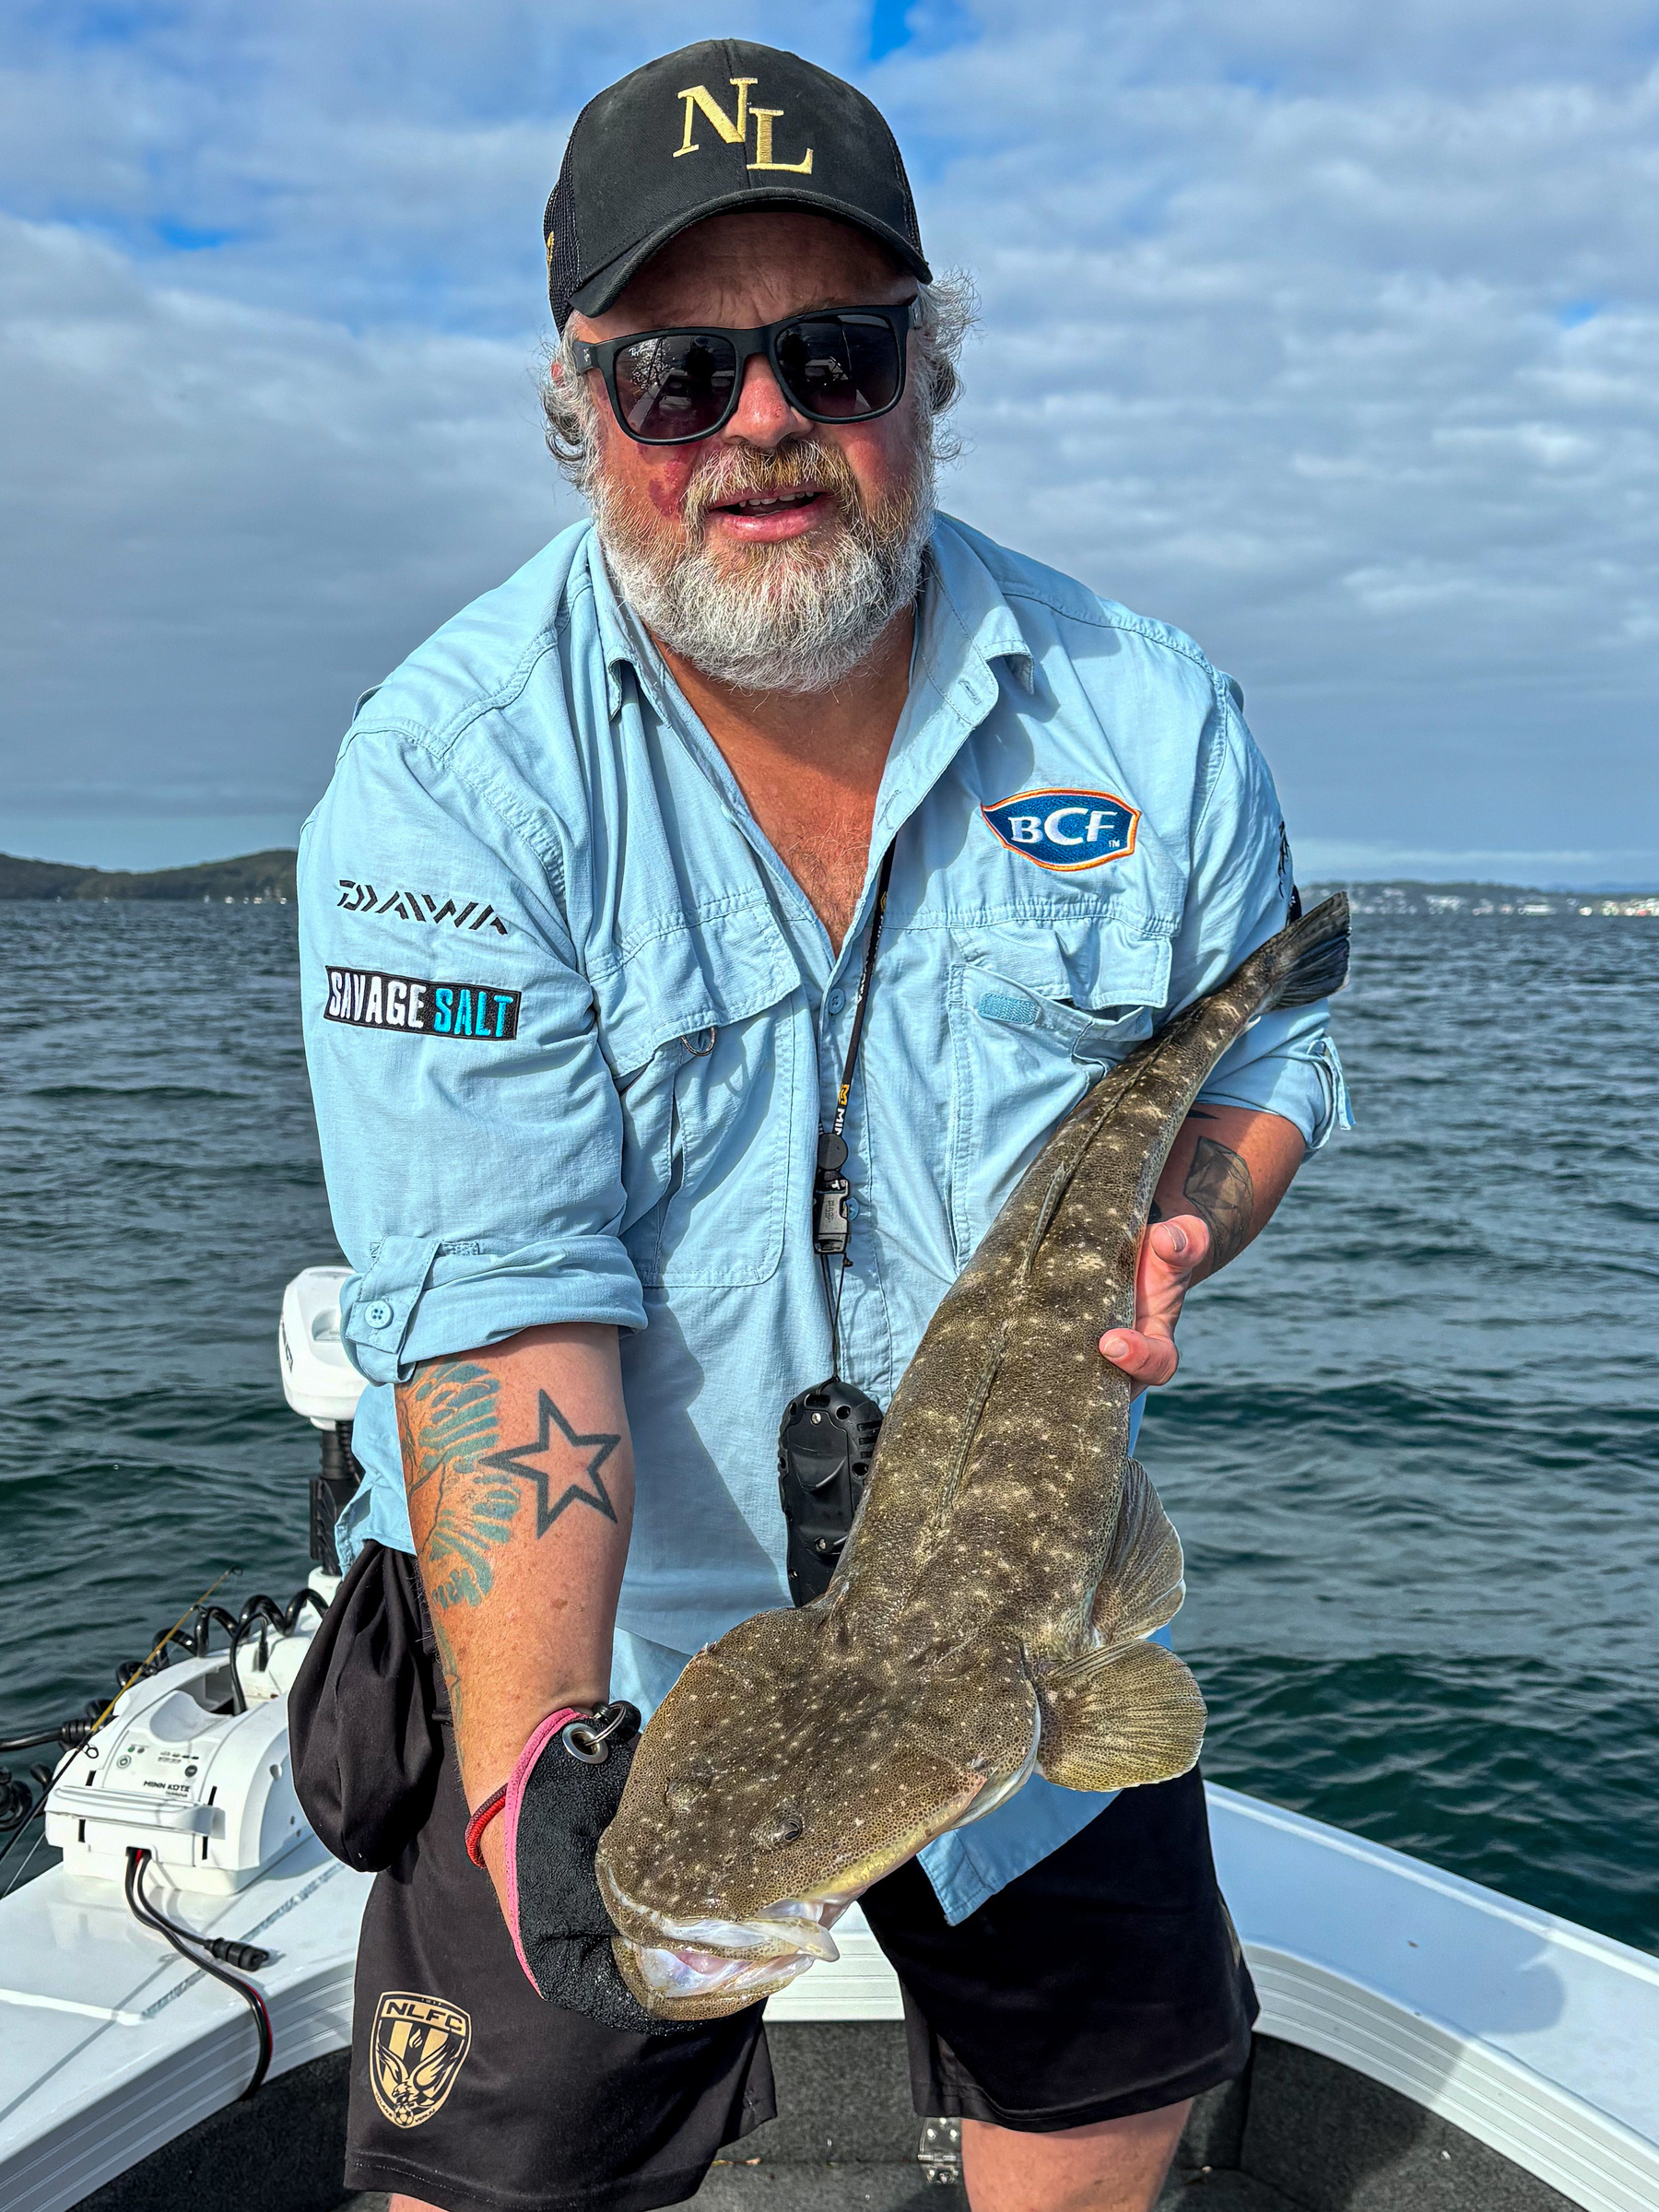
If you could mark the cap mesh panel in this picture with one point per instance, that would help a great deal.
(563, 266)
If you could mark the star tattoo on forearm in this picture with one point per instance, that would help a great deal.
(556, 1448)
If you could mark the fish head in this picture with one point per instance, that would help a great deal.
(771, 1790)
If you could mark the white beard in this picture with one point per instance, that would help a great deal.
(797, 616)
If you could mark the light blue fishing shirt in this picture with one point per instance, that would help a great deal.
(574, 1029)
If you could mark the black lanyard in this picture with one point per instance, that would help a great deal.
(829, 1432)
(831, 1227)
(831, 1186)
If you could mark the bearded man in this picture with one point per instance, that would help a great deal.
(590, 957)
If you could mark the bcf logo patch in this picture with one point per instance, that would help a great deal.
(1066, 830)
(415, 2051)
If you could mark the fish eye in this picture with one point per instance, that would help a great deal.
(786, 1824)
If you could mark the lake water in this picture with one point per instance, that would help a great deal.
(1413, 1451)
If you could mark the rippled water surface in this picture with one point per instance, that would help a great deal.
(1413, 1451)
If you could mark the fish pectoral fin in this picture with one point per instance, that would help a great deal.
(1142, 1585)
(1119, 1718)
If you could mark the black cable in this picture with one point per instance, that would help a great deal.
(258, 1608)
(183, 1940)
(72, 1733)
(208, 1617)
(248, 1957)
(301, 1598)
(37, 1737)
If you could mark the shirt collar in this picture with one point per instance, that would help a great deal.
(621, 643)
(626, 643)
(967, 625)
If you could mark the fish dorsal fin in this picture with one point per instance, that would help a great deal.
(1313, 955)
(1141, 1585)
(1119, 1718)
(1126, 1712)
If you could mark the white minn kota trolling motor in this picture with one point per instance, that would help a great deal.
(185, 1783)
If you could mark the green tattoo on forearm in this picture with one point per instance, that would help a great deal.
(462, 1507)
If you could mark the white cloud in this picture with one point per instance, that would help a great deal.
(226, 522)
(1328, 333)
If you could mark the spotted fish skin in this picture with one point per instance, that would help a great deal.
(989, 1614)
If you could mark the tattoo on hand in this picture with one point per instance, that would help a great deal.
(1219, 1187)
(461, 1507)
(546, 1446)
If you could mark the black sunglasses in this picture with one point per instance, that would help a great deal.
(839, 364)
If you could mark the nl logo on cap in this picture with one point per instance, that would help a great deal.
(1066, 830)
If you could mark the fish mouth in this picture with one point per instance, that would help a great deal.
(797, 1924)
(677, 1984)
(704, 1968)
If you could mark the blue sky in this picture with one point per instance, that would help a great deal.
(1330, 332)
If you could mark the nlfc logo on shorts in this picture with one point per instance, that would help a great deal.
(699, 100)
(414, 2053)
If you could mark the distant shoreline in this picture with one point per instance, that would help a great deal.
(1404, 897)
(267, 879)
(255, 878)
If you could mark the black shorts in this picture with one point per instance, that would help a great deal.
(1106, 1981)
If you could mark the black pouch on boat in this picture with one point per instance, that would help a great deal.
(361, 1714)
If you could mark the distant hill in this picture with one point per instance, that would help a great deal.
(262, 876)
(270, 875)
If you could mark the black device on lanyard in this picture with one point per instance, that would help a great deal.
(828, 1437)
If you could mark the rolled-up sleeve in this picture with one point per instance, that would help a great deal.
(1238, 896)
(470, 1129)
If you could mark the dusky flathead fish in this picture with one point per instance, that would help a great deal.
(989, 1615)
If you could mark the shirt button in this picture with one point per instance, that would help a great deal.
(852, 1210)
(836, 1000)
(378, 1314)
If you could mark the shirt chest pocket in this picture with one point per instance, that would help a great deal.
(1038, 1010)
(698, 1025)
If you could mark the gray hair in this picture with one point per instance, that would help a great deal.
(945, 312)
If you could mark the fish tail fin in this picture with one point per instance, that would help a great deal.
(1142, 1584)
(1119, 1718)
(1312, 956)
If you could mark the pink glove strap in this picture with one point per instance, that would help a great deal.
(515, 1781)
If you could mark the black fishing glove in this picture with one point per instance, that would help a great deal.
(557, 1802)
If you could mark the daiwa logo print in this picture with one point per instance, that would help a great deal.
(366, 1000)
(417, 906)
(1064, 829)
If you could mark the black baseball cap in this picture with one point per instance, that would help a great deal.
(718, 126)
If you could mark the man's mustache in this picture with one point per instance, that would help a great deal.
(748, 473)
